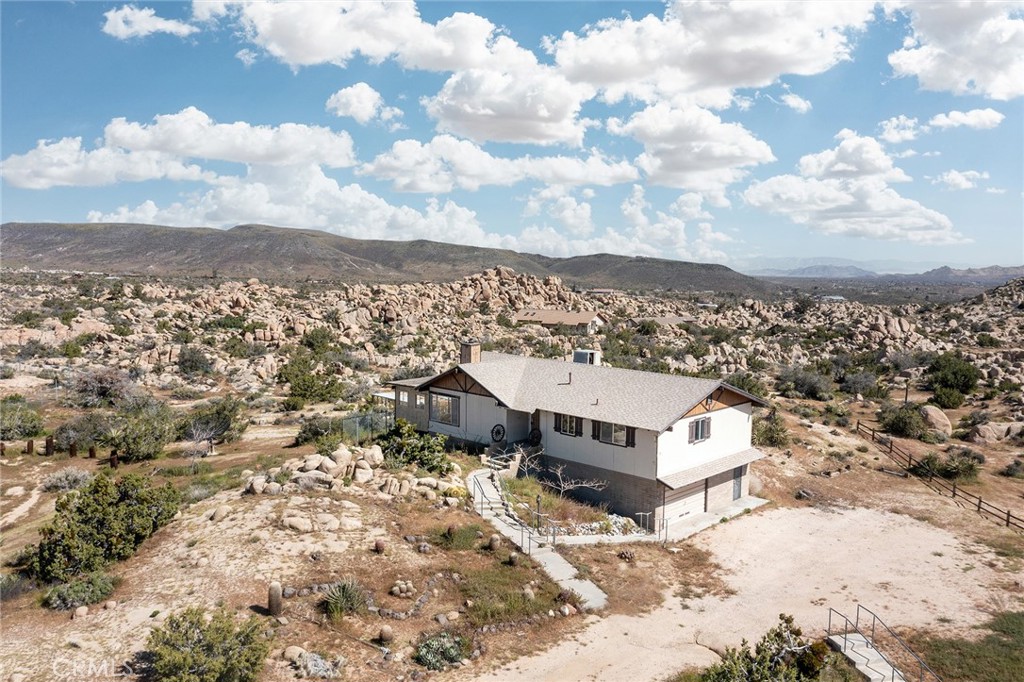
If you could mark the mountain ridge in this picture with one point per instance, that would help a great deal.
(269, 252)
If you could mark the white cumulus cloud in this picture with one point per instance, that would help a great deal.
(955, 180)
(361, 102)
(692, 148)
(900, 128)
(974, 48)
(133, 152)
(979, 119)
(796, 103)
(845, 191)
(138, 22)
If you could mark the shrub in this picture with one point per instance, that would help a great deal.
(292, 404)
(189, 649)
(66, 479)
(1014, 469)
(402, 445)
(316, 428)
(779, 655)
(192, 361)
(953, 371)
(959, 464)
(905, 420)
(343, 598)
(771, 431)
(318, 340)
(141, 431)
(747, 382)
(70, 349)
(986, 340)
(441, 650)
(217, 420)
(89, 589)
(18, 420)
(103, 522)
(306, 382)
(647, 328)
(795, 382)
(948, 398)
(102, 387)
(85, 430)
(863, 383)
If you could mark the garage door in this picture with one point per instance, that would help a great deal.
(684, 501)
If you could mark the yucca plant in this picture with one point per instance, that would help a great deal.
(343, 598)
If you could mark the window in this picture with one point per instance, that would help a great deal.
(700, 429)
(403, 397)
(568, 425)
(614, 434)
(421, 401)
(444, 409)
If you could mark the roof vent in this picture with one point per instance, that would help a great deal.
(587, 357)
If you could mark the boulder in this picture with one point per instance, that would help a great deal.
(293, 653)
(311, 463)
(362, 475)
(299, 523)
(374, 455)
(937, 419)
(220, 512)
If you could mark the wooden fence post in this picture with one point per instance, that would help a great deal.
(113, 459)
(92, 452)
(30, 447)
(73, 450)
(1007, 518)
(954, 490)
(49, 446)
(979, 504)
(3, 449)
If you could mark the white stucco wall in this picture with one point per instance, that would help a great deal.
(477, 415)
(730, 432)
(637, 461)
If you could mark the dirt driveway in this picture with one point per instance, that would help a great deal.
(796, 561)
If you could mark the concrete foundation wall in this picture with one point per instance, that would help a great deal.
(625, 495)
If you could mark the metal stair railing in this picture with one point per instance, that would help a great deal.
(924, 672)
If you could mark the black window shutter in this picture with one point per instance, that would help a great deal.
(595, 429)
(630, 437)
(707, 428)
(693, 431)
(558, 421)
(578, 426)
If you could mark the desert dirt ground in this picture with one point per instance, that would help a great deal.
(799, 561)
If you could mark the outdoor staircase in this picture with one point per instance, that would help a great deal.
(859, 650)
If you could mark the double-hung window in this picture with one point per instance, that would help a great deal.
(700, 429)
(421, 401)
(614, 434)
(444, 409)
(403, 397)
(568, 425)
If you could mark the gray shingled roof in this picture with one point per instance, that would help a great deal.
(706, 469)
(567, 317)
(645, 400)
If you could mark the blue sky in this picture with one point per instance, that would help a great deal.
(718, 132)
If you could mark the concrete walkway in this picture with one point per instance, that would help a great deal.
(488, 503)
(865, 657)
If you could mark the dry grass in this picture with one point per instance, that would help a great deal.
(563, 510)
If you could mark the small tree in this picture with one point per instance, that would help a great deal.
(102, 387)
(562, 483)
(190, 649)
(141, 431)
(771, 431)
(402, 445)
(905, 420)
(215, 421)
(951, 370)
(192, 361)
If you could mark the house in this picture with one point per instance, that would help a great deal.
(667, 445)
(585, 322)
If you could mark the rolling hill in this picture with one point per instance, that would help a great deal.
(294, 254)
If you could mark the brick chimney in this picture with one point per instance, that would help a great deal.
(469, 351)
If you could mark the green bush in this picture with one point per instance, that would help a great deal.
(192, 361)
(292, 404)
(959, 464)
(102, 387)
(218, 420)
(105, 521)
(796, 382)
(441, 650)
(306, 381)
(70, 349)
(318, 340)
(988, 341)
(402, 446)
(189, 649)
(89, 589)
(18, 420)
(779, 656)
(953, 371)
(948, 398)
(770, 431)
(747, 382)
(903, 420)
(343, 598)
(863, 383)
(141, 430)
(1014, 469)
(317, 427)
(85, 430)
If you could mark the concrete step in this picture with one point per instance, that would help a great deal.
(866, 658)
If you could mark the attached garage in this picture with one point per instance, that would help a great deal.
(685, 501)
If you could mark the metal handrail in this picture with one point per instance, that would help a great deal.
(922, 666)
(855, 626)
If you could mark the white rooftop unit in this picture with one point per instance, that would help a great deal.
(587, 357)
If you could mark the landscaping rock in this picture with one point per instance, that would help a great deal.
(293, 653)
(299, 523)
(936, 419)
(220, 512)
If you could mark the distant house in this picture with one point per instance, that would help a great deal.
(585, 322)
(667, 445)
